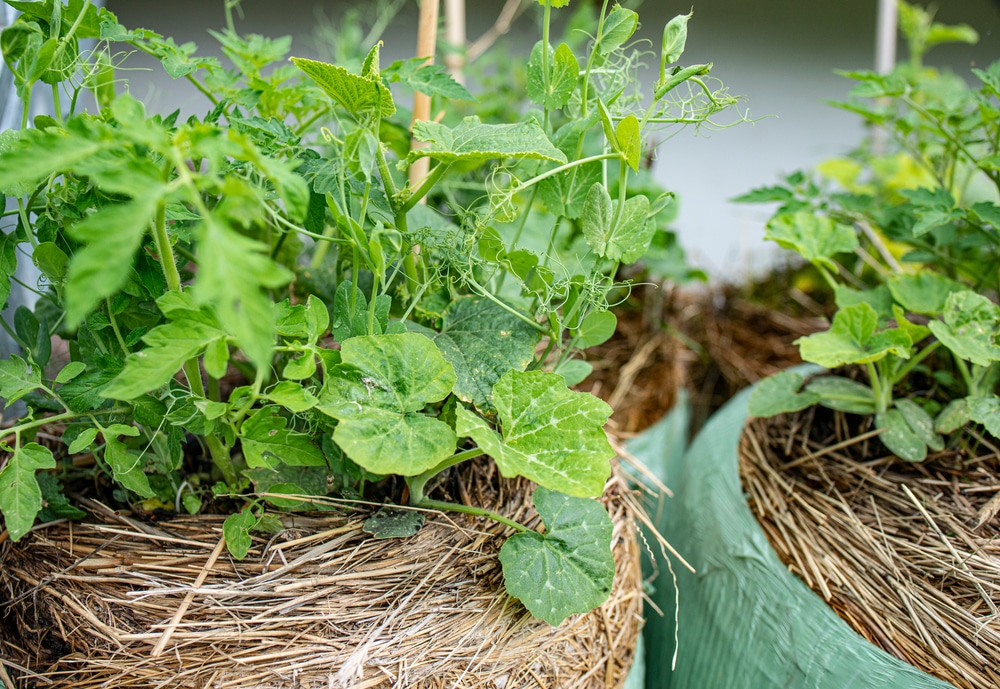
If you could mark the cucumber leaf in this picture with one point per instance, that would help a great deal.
(816, 238)
(471, 140)
(852, 339)
(969, 327)
(779, 394)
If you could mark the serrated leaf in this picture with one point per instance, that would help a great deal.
(56, 505)
(292, 397)
(377, 393)
(98, 270)
(955, 415)
(630, 140)
(779, 394)
(232, 272)
(236, 530)
(564, 71)
(433, 80)
(20, 495)
(472, 140)
(899, 438)
(17, 379)
(571, 568)
(482, 342)
(596, 329)
(168, 346)
(852, 339)
(969, 327)
(267, 442)
(393, 522)
(843, 394)
(551, 435)
(37, 153)
(766, 195)
(816, 238)
(619, 26)
(920, 422)
(126, 467)
(986, 411)
(357, 94)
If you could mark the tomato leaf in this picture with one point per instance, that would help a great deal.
(20, 495)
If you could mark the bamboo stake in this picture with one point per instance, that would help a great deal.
(454, 31)
(426, 46)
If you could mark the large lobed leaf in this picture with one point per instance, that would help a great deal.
(472, 140)
(852, 339)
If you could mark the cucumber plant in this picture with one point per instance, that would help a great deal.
(258, 312)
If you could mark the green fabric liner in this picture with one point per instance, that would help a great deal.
(745, 621)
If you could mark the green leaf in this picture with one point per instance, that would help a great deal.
(916, 333)
(779, 394)
(267, 442)
(955, 415)
(351, 321)
(630, 140)
(70, 371)
(168, 346)
(393, 522)
(300, 368)
(570, 569)
(969, 327)
(920, 423)
(17, 379)
(292, 397)
(574, 371)
(472, 140)
(619, 26)
(899, 438)
(986, 410)
(98, 270)
(217, 357)
(232, 272)
(878, 298)
(564, 71)
(629, 239)
(56, 505)
(236, 530)
(674, 41)
(377, 393)
(20, 495)
(482, 341)
(852, 339)
(8, 263)
(82, 441)
(433, 80)
(126, 466)
(816, 238)
(38, 153)
(597, 328)
(551, 435)
(51, 260)
(357, 94)
(843, 394)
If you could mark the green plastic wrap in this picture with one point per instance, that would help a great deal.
(744, 621)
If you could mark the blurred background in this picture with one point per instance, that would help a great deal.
(780, 54)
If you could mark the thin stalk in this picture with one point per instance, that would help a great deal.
(546, 22)
(483, 292)
(66, 416)
(165, 251)
(590, 61)
(878, 389)
(914, 361)
(426, 185)
(114, 327)
(56, 103)
(475, 511)
(963, 368)
(416, 484)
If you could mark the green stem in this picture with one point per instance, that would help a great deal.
(165, 250)
(475, 511)
(963, 369)
(546, 24)
(914, 361)
(417, 483)
(426, 185)
(590, 61)
(483, 292)
(56, 103)
(222, 459)
(114, 327)
(387, 182)
(879, 389)
(67, 416)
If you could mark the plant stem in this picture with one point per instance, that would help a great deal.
(417, 483)
(426, 185)
(475, 511)
(66, 416)
(165, 251)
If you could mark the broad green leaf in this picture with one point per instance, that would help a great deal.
(625, 241)
(955, 33)
(126, 466)
(574, 371)
(878, 298)
(236, 530)
(33, 336)
(217, 357)
(300, 368)
(843, 394)
(232, 272)
(852, 339)
(17, 379)
(70, 371)
(816, 238)
(393, 522)
(56, 505)
(916, 332)
(564, 71)
(8, 264)
(551, 435)
(565, 193)
(630, 140)
(955, 415)
(357, 94)
(289, 480)
(568, 570)
(779, 394)
(352, 320)
(98, 270)
(168, 346)
(986, 410)
(292, 397)
(472, 140)
(38, 153)
(20, 495)
(377, 393)
(482, 341)
(433, 80)
(597, 328)
(899, 438)
(619, 26)
(923, 292)
(674, 41)
(51, 260)
(267, 442)
(969, 327)
(596, 218)
(920, 423)
(984, 211)
(82, 441)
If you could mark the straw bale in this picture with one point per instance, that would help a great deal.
(321, 604)
(907, 554)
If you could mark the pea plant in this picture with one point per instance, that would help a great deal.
(255, 311)
(907, 240)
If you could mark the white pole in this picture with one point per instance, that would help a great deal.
(454, 32)
(885, 56)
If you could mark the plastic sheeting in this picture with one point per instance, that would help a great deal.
(744, 621)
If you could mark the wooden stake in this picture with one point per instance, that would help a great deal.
(426, 46)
